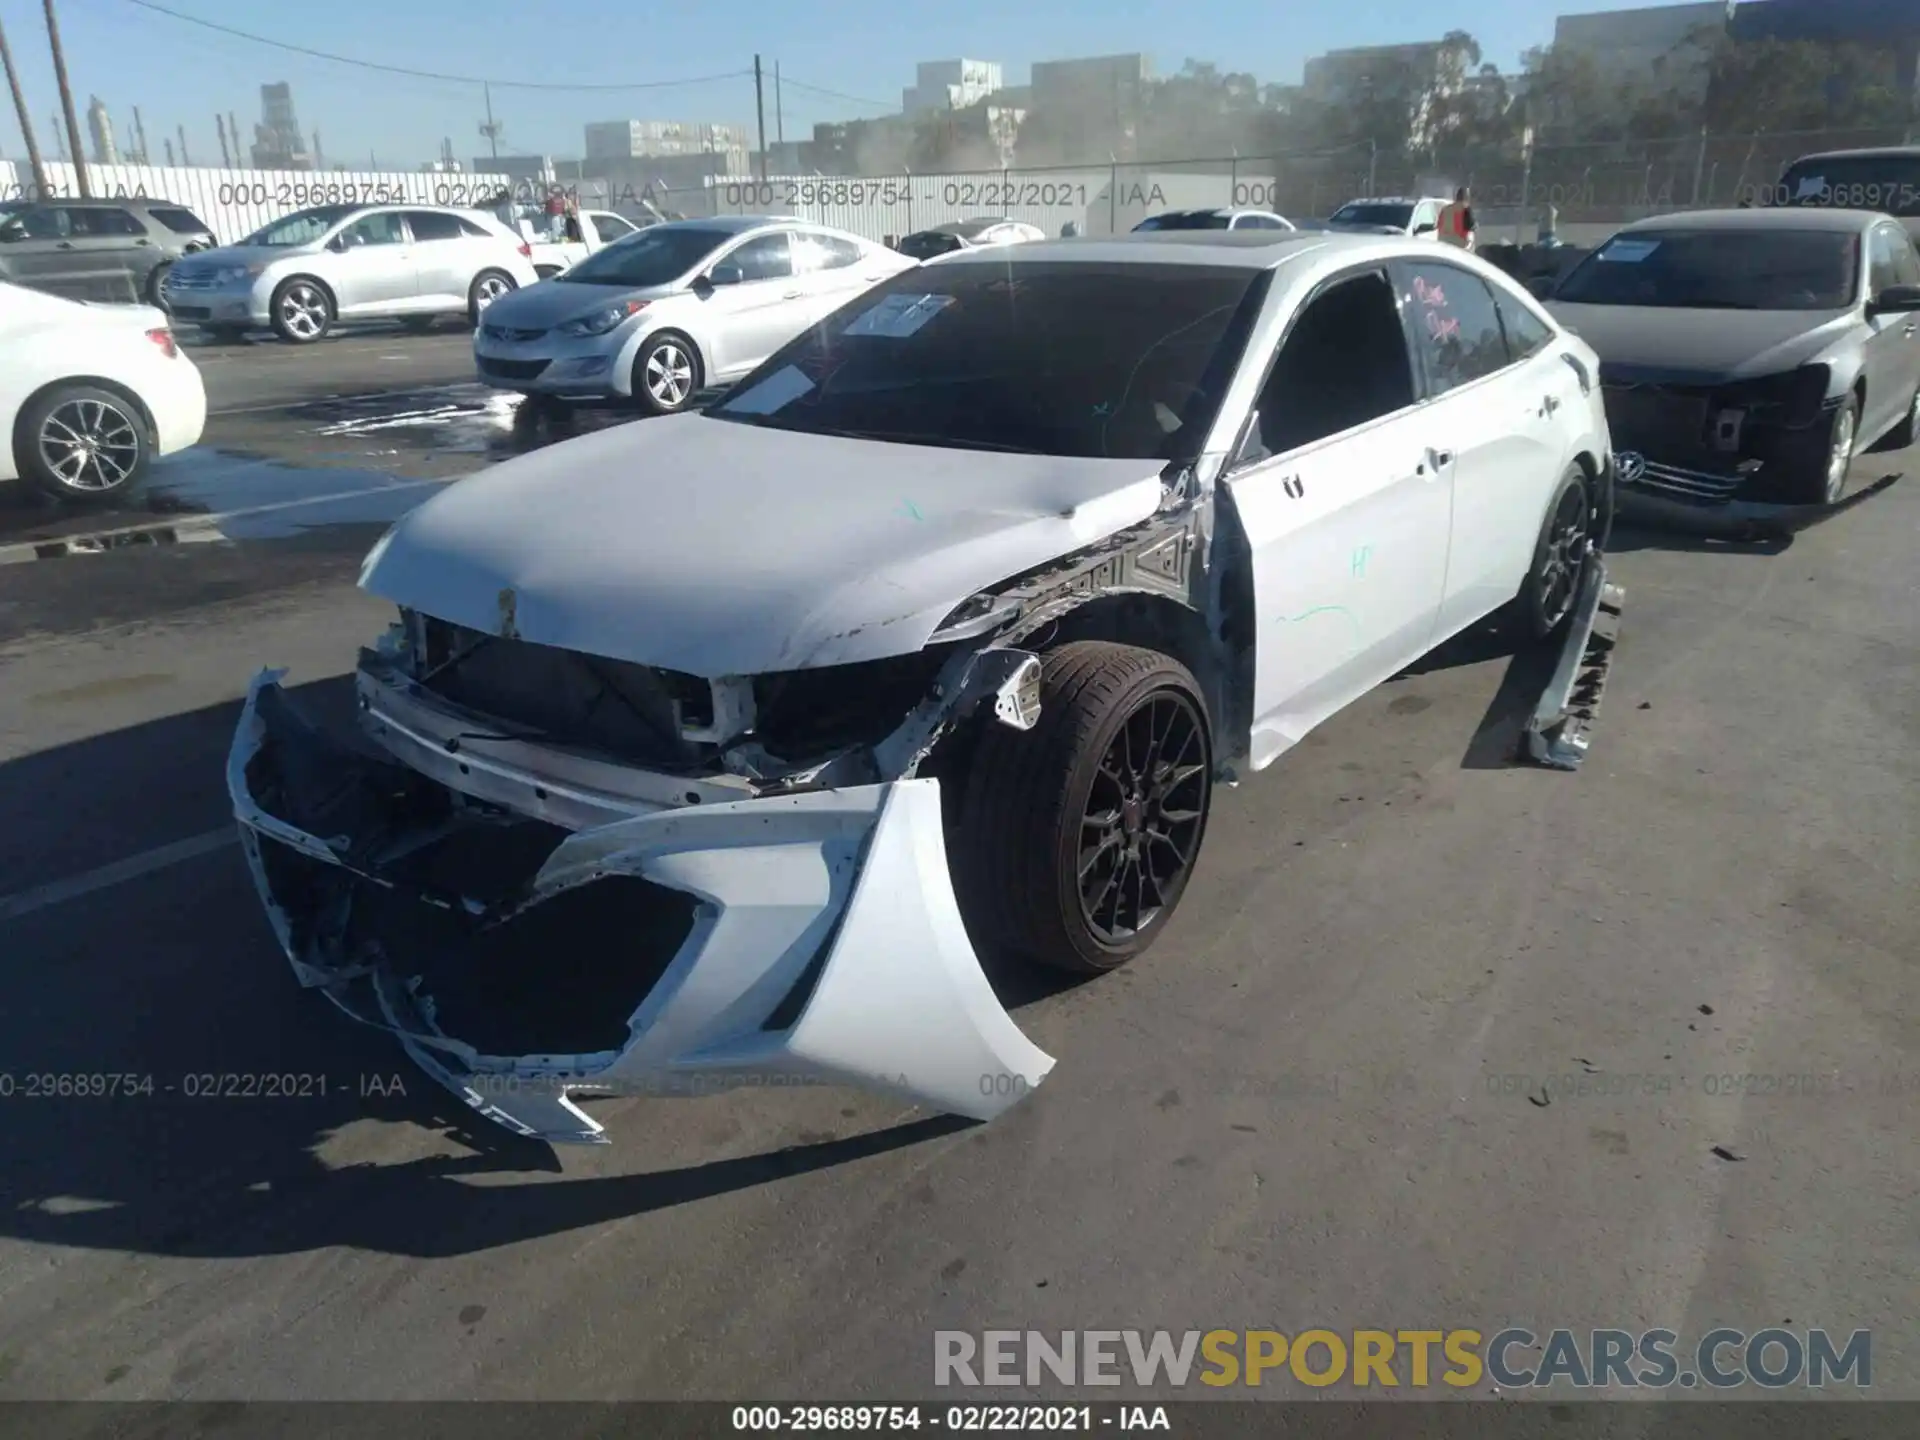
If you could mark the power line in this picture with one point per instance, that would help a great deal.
(429, 74)
(832, 94)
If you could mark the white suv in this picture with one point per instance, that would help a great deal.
(1396, 213)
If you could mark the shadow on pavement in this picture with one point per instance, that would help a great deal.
(173, 982)
(1496, 740)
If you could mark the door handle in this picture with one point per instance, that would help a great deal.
(1909, 330)
(1439, 459)
(792, 295)
(64, 245)
(1553, 403)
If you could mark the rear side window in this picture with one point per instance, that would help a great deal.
(180, 221)
(474, 230)
(103, 224)
(432, 225)
(1526, 336)
(1457, 328)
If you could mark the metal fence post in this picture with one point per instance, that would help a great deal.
(1699, 167)
(1113, 196)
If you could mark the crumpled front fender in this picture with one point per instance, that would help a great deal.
(827, 945)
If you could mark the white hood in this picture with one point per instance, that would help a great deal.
(717, 548)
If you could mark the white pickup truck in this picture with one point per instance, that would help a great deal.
(551, 256)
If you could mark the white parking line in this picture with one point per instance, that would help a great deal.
(59, 892)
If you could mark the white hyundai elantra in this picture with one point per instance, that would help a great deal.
(675, 309)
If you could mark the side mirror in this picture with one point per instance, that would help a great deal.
(1419, 230)
(1541, 287)
(726, 275)
(338, 244)
(13, 230)
(1895, 300)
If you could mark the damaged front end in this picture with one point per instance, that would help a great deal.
(536, 919)
(1717, 454)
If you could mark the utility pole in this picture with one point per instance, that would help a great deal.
(319, 156)
(167, 145)
(20, 110)
(183, 146)
(759, 110)
(59, 140)
(492, 128)
(779, 116)
(66, 104)
(220, 128)
(140, 133)
(239, 154)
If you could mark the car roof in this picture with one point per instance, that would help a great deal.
(1783, 217)
(1872, 152)
(1388, 200)
(1219, 249)
(125, 202)
(732, 224)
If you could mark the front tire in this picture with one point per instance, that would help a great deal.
(1823, 472)
(1552, 585)
(488, 286)
(666, 374)
(302, 311)
(1076, 839)
(156, 286)
(79, 442)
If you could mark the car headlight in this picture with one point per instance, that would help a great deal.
(233, 274)
(601, 321)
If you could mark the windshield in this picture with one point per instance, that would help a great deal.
(1888, 183)
(303, 227)
(656, 256)
(1719, 270)
(1396, 216)
(929, 243)
(1119, 361)
(1198, 220)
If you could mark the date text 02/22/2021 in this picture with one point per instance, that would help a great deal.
(958, 1419)
(196, 1085)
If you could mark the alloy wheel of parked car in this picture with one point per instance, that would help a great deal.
(488, 286)
(1560, 556)
(666, 375)
(1840, 442)
(1075, 840)
(157, 286)
(85, 443)
(302, 312)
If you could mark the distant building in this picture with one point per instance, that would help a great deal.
(530, 171)
(1095, 103)
(277, 141)
(1892, 26)
(1419, 76)
(101, 128)
(950, 85)
(1666, 51)
(720, 149)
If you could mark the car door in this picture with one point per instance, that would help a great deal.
(609, 227)
(118, 252)
(757, 313)
(1344, 509)
(1493, 421)
(55, 254)
(1906, 271)
(1425, 220)
(442, 259)
(1892, 354)
(371, 267)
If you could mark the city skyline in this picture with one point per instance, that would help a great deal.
(130, 55)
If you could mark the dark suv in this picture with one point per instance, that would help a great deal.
(111, 250)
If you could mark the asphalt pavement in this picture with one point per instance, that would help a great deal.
(1435, 1040)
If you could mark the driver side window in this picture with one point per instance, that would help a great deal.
(1343, 364)
(383, 229)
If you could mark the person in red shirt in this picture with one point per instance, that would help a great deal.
(1456, 221)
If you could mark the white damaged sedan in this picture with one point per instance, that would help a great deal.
(715, 750)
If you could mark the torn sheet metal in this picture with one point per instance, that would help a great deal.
(1560, 730)
(826, 945)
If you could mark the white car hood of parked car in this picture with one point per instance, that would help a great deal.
(719, 548)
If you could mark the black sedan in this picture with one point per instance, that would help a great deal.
(1748, 356)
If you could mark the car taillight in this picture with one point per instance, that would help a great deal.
(526, 250)
(163, 337)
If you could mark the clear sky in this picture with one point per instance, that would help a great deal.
(179, 73)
